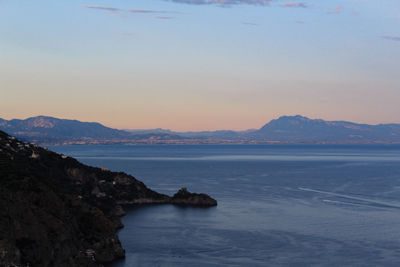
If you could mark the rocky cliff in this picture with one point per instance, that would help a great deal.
(55, 211)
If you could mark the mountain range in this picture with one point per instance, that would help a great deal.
(286, 129)
(50, 130)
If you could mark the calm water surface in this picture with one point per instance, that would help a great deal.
(278, 205)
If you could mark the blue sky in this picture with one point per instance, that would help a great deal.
(200, 64)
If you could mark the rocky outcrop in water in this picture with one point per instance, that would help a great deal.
(55, 211)
(184, 197)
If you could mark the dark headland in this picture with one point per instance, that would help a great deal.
(55, 211)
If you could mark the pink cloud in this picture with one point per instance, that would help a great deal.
(336, 10)
(295, 4)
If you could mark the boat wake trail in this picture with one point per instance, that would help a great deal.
(365, 201)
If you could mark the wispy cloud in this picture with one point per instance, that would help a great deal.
(250, 23)
(336, 10)
(113, 9)
(391, 38)
(146, 11)
(164, 17)
(129, 33)
(224, 2)
(295, 4)
(355, 12)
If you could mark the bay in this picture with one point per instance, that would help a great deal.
(278, 205)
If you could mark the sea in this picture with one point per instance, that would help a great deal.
(278, 205)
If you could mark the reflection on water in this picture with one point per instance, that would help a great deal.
(278, 205)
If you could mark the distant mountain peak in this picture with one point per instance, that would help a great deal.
(295, 118)
(302, 129)
(287, 121)
(53, 130)
(42, 122)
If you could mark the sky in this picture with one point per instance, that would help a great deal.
(200, 64)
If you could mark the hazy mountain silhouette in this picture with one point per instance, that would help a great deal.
(44, 128)
(50, 130)
(286, 129)
(302, 129)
